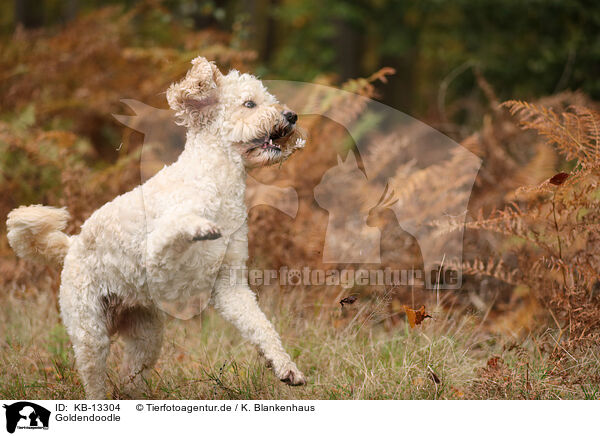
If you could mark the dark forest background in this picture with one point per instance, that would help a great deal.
(525, 49)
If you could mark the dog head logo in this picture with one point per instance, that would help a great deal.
(421, 175)
(26, 415)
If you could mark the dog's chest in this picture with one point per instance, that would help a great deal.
(183, 287)
(192, 273)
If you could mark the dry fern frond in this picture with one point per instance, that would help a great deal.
(489, 268)
(576, 132)
(558, 219)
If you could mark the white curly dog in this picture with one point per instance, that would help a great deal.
(180, 233)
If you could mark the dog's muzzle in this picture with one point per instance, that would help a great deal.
(268, 142)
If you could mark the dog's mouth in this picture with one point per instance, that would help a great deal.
(272, 141)
(271, 147)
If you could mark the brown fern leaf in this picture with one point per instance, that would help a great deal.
(489, 268)
(563, 270)
(575, 132)
(512, 221)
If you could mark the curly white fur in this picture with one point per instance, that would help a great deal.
(35, 233)
(177, 235)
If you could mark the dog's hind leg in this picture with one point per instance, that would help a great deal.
(90, 356)
(142, 331)
(91, 342)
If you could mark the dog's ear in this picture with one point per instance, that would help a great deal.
(194, 97)
(206, 71)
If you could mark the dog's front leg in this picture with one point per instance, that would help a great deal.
(174, 233)
(237, 303)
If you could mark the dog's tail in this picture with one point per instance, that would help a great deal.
(35, 233)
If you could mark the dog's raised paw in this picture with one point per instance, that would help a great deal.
(204, 230)
(210, 235)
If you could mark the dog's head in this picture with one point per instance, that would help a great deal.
(238, 109)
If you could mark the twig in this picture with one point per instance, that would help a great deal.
(437, 290)
(559, 241)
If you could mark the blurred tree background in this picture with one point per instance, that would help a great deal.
(66, 65)
(525, 49)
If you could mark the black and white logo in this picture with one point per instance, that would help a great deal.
(26, 415)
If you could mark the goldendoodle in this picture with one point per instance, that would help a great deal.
(182, 232)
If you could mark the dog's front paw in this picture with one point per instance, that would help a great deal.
(290, 374)
(210, 235)
(205, 230)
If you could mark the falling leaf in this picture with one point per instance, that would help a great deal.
(558, 179)
(415, 317)
(348, 300)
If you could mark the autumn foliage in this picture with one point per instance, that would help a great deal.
(532, 240)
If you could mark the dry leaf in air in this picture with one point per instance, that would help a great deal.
(559, 179)
(415, 317)
(348, 300)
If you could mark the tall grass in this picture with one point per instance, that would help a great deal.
(205, 358)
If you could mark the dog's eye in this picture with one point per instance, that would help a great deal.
(249, 104)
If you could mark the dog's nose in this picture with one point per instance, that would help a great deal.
(290, 116)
